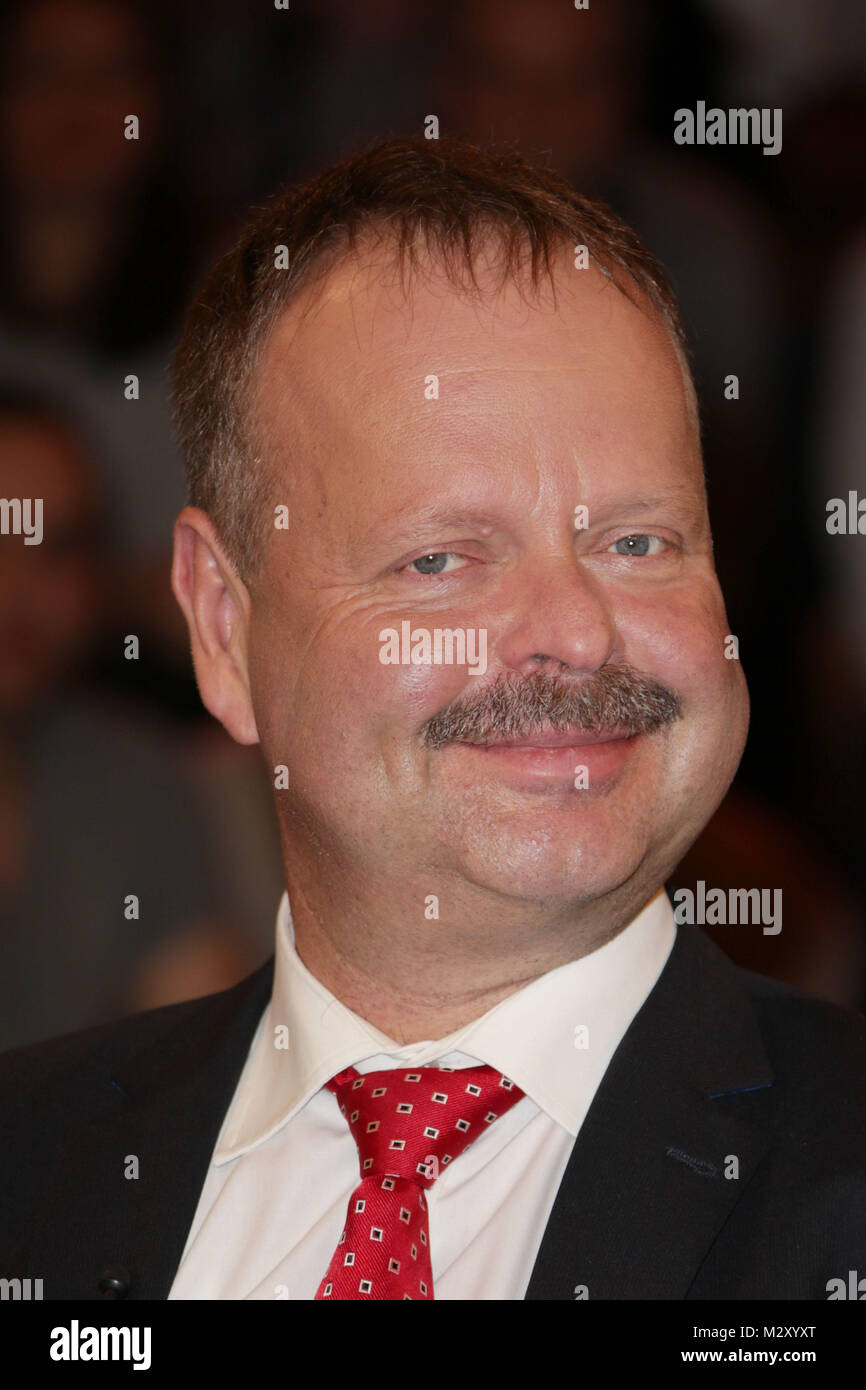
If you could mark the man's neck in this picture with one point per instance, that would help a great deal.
(419, 980)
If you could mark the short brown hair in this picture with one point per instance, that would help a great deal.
(449, 194)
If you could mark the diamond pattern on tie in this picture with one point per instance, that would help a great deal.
(408, 1126)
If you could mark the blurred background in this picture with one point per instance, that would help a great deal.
(113, 779)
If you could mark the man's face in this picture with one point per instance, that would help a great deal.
(541, 410)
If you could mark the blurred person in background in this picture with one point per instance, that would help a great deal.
(834, 641)
(369, 72)
(98, 242)
(85, 780)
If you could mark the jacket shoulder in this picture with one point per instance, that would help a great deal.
(817, 1050)
(791, 1017)
(55, 1072)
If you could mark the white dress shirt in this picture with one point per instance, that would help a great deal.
(276, 1194)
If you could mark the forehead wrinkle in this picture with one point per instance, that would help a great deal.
(318, 404)
(353, 277)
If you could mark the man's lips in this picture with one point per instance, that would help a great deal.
(555, 755)
(566, 738)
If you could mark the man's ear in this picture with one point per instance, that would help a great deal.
(216, 605)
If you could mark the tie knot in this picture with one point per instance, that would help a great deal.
(412, 1124)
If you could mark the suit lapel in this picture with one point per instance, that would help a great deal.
(163, 1108)
(641, 1201)
(645, 1191)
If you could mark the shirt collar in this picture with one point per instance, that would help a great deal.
(554, 1037)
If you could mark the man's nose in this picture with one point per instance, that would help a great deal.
(557, 616)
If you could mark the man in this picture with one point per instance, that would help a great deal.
(448, 562)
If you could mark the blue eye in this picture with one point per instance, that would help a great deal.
(638, 544)
(434, 562)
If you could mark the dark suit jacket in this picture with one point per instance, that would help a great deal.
(721, 1072)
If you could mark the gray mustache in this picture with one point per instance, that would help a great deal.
(513, 707)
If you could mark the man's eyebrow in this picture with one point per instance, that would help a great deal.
(436, 517)
(680, 501)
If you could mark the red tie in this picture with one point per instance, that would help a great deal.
(408, 1125)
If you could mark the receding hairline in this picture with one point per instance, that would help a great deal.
(447, 197)
(376, 247)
